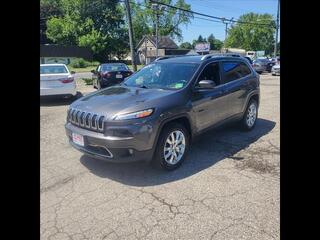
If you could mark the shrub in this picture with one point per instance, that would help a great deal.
(80, 63)
(88, 81)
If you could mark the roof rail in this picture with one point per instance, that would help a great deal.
(172, 56)
(207, 56)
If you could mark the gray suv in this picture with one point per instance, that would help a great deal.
(156, 112)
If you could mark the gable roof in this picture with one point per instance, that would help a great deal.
(163, 42)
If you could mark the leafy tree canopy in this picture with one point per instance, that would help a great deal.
(253, 37)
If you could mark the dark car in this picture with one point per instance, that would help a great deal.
(109, 74)
(157, 112)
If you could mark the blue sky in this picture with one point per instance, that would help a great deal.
(223, 8)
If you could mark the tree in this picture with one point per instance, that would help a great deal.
(215, 44)
(253, 37)
(96, 24)
(186, 45)
(170, 19)
(48, 9)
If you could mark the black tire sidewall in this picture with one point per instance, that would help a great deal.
(158, 159)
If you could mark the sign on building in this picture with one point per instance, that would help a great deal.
(202, 47)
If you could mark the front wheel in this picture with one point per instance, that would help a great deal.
(172, 147)
(250, 116)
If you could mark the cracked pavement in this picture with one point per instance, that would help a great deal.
(228, 187)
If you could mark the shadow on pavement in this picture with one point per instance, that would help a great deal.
(208, 149)
(51, 101)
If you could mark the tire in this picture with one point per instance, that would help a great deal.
(98, 85)
(249, 122)
(259, 72)
(163, 162)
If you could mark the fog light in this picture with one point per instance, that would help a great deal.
(131, 151)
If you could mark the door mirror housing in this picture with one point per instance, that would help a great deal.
(73, 72)
(93, 71)
(206, 84)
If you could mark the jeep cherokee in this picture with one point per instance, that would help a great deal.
(155, 113)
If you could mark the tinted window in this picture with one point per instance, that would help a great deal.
(163, 75)
(245, 70)
(211, 72)
(53, 69)
(114, 67)
(232, 71)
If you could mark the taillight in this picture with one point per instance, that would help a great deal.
(107, 75)
(68, 80)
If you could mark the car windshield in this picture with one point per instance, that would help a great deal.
(114, 67)
(53, 69)
(163, 75)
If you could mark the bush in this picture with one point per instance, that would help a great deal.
(80, 63)
(88, 81)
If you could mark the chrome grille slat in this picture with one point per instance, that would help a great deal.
(88, 120)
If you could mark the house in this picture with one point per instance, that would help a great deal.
(53, 53)
(146, 48)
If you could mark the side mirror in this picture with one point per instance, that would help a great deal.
(93, 71)
(73, 72)
(206, 84)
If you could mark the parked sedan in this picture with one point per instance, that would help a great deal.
(276, 69)
(56, 79)
(109, 74)
(259, 66)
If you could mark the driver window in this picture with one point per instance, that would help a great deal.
(211, 72)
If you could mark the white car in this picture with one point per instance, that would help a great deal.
(56, 79)
(275, 69)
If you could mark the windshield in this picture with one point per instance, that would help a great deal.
(53, 69)
(163, 75)
(115, 67)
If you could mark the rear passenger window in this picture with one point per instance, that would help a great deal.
(234, 70)
(245, 69)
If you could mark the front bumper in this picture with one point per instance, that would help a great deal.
(136, 147)
(275, 71)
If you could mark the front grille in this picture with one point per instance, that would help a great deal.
(88, 120)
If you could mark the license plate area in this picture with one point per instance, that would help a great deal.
(78, 139)
(118, 76)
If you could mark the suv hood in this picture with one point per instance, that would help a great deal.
(120, 99)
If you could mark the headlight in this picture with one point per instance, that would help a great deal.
(134, 115)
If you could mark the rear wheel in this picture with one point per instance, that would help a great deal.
(250, 117)
(98, 85)
(172, 147)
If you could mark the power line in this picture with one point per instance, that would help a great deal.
(210, 16)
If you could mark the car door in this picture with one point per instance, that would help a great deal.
(209, 104)
(236, 77)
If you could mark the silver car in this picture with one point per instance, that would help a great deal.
(275, 70)
(259, 66)
(56, 79)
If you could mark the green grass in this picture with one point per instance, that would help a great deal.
(86, 69)
(88, 81)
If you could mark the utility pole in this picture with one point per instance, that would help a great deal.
(130, 35)
(277, 31)
(155, 7)
(157, 34)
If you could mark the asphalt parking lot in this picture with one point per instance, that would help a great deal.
(228, 187)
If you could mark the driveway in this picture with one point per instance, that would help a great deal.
(228, 187)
